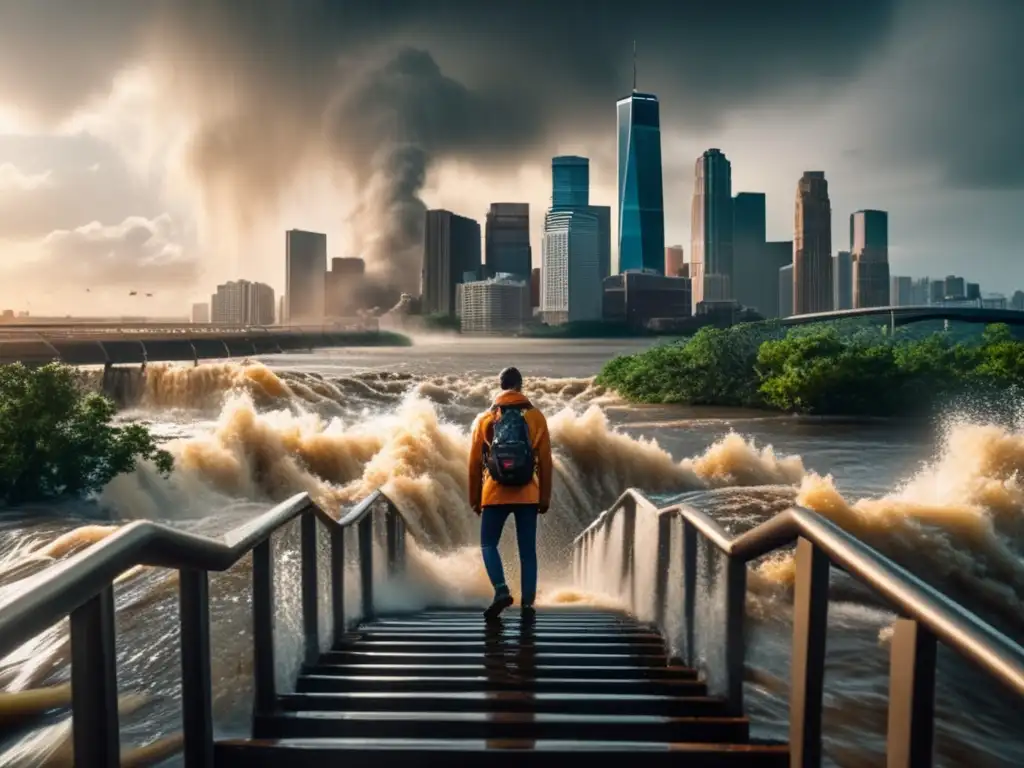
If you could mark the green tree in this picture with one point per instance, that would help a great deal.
(57, 438)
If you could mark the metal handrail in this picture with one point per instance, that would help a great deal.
(81, 587)
(928, 615)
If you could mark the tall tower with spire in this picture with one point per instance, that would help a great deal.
(641, 208)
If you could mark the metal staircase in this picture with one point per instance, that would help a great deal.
(443, 685)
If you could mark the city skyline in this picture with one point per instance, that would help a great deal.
(123, 182)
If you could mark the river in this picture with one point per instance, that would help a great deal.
(943, 499)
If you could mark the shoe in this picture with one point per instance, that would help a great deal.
(502, 600)
(528, 613)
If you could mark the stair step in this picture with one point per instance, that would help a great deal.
(507, 701)
(418, 683)
(493, 753)
(499, 725)
(481, 636)
(525, 667)
(479, 645)
(539, 657)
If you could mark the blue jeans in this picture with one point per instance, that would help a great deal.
(492, 522)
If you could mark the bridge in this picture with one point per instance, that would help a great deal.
(140, 343)
(906, 315)
(439, 686)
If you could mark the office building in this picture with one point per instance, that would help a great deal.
(973, 292)
(242, 303)
(674, 260)
(305, 267)
(812, 246)
(640, 197)
(201, 313)
(992, 301)
(499, 305)
(711, 226)
(901, 291)
(748, 250)
(777, 254)
(1017, 301)
(786, 290)
(570, 270)
(603, 214)
(344, 288)
(507, 238)
(955, 287)
(639, 298)
(936, 291)
(869, 245)
(570, 181)
(535, 288)
(920, 290)
(842, 280)
(451, 248)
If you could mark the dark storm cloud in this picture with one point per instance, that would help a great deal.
(386, 89)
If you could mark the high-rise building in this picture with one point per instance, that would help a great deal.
(973, 292)
(451, 248)
(498, 305)
(603, 213)
(535, 288)
(240, 302)
(570, 270)
(748, 249)
(1017, 301)
(786, 285)
(305, 268)
(956, 289)
(507, 240)
(812, 246)
(920, 291)
(936, 291)
(901, 291)
(570, 181)
(201, 313)
(641, 202)
(343, 288)
(711, 227)
(842, 280)
(674, 260)
(777, 254)
(637, 298)
(869, 245)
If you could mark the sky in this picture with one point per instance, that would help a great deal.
(163, 146)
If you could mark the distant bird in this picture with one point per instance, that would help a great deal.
(88, 290)
(133, 293)
(150, 295)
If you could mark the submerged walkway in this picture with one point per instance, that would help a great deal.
(445, 688)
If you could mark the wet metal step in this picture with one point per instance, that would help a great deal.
(499, 725)
(481, 636)
(508, 701)
(419, 683)
(478, 645)
(523, 665)
(493, 753)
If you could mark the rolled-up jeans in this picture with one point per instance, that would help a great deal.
(492, 522)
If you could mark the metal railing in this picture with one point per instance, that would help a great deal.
(82, 588)
(927, 616)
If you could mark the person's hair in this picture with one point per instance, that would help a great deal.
(510, 378)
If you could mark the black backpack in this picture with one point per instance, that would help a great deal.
(509, 457)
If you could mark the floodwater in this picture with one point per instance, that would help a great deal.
(942, 499)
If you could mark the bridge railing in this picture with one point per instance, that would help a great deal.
(82, 588)
(927, 616)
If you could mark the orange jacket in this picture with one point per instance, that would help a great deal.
(483, 490)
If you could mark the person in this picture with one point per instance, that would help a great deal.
(510, 474)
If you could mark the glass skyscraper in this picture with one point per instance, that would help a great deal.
(641, 203)
(570, 181)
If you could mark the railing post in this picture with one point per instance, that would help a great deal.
(628, 549)
(310, 608)
(196, 695)
(395, 540)
(338, 580)
(94, 723)
(735, 642)
(662, 568)
(807, 671)
(690, 589)
(366, 564)
(264, 683)
(911, 696)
